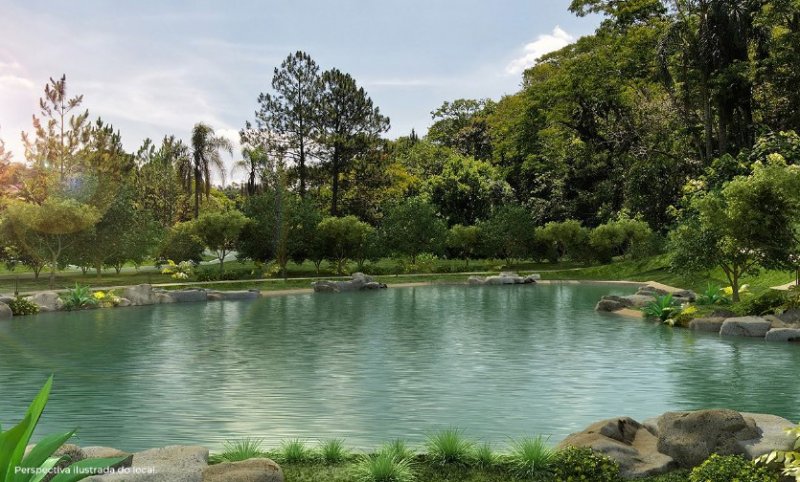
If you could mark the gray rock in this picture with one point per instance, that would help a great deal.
(374, 285)
(5, 311)
(6, 299)
(609, 305)
(233, 295)
(711, 325)
(638, 300)
(98, 452)
(176, 463)
(691, 437)
(651, 291)
(783, 334)
(124, 302)
(252, 470)
(475, 280)
(139, 295)
(790, 316)
(752, 326)
(685, 295)
(358, 281)
(628, 442)
(772, 435)
(531, 278)
(188, 296)
(47, 301)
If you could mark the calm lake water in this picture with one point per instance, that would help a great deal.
(499, 362)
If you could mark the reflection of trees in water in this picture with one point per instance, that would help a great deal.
(742, 374)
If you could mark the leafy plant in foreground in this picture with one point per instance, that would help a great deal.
(790, 460)
(574, 464)
(244, 449)
(383, 467)
(334, 452)
(15, 466)
(449, 446)
(78, 298)
(661, 308)
(727, 468)
(22, 307)
(531, 456)
(713, 295)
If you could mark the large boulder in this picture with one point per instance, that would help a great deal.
(783, 334)
(710, 325)
(188, 296)
(772, 435)
(233, 295)
(628, 442)
(97, 452)
(5, 311)
(691, 437)
(609, 305)
(252, 470)
(505, 278)
(175, 463)
(47, 301)
(144, 294)
(358, 281)
(752, 326)
(791, 317)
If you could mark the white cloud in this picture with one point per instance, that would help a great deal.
(544, 44)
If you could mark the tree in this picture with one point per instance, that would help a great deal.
(5, 156)
(349, 124)
(182, 243)
(206, 147)
(752, 222)
(464, 241)
(220, 232)
(46, 231)
(288, 116)
(253, 162)
(58, 135)
(509, 233)
(158, 183)
(565, 238)
(621, 237)
(343, 239)
(461, 125)
(413, 227)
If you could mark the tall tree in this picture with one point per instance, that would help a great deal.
(163, 178)
(206, 147)
(289, 113)
(349, 124)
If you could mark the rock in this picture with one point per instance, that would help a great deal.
(609, 305)
(752, 326)
(711, 325)
(638, 300)
(772, 435)
(374, 285)
(252, 470)
(685, 296)
(691, 437)
(139, 295)
(790, 316)
(188, 296)
(233, 295)
(176, 463)
(628, 442)
(504, 278)
(531, 278)
(6, 299)
(651, 291)
(358, 282)
(96, 452)
(722, 313)
(324, 287)
(775, 322)
(124, 302)
(47, 301)
(783, 334)
(5, 311)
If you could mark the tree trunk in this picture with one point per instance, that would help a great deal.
(99, 269)
(335, 183)
(708, 121)
(301, 168)
(53, 266)
(221, 264)
(196, 193)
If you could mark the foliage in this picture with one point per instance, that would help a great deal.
(449, 446)
(622, 237)
(683, 317)
(790, 460)
(531, 457)
(22, 306)
(206, 147)
(508, 233)
(383, 467)
(413, 227)
(236, 451)
(334, 451)
(713, 295)
(79, 298)
(484, 456)
(345, 238)
(397, 449)
(220, 232)
(40, 459)
(106, 299)
(662, 308)
(566, 238)
(767, 303)
(182, 243)
(464, 241)
(582, 464)
(207, 273)
(725, 468)
(180, 271)
(294, 451)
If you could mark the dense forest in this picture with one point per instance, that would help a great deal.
(673, 126)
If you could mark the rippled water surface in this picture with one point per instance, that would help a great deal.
(497, 361)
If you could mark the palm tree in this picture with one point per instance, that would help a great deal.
(206, 146)
(253, 164)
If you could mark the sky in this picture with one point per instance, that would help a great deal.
(155, 67)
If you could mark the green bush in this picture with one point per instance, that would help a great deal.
(79, 298)
(531, 457)
(211, 273)
(582, 464)
(568, 238)
(764, 304)
(729, 468)
(484, 456)
(294, 452)
(449, 446)
(334, 452)
(383, 467)
(397, 449)
(182, 243)
(662, 308)
(22, 307)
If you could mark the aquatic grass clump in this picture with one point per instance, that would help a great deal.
(397, 449)
(449, 446)
(295, 452)
(333, 451)
(531, 456)
(383, 467)
(484, 457)
(236, 451)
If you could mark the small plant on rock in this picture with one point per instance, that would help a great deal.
(21, 306)
(728, 468)
(661, 308)
(383, 467)
(79, 298)
(236, 451)
(531, 457)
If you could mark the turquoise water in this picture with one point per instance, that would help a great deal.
(499, 362)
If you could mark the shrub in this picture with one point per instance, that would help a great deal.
(727, 468)
(661, 308)
(248, 448)
(578, 464)
(397, 449)
(21, 306)
(182, 243)
(179, 271)
(568, 238)
(334, 452)
(206, 274)
(790, 460)
(294, 452)
(684, 317)
(449, 446)
(484, 456)
(713, 295)
(106, 299)
(792, 299)
(383, 467)
(531, 457)
(764, 304)
(79, 298)
(625, 236)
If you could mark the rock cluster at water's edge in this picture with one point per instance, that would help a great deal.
(641, 298)
(504, 278)
(358, 282)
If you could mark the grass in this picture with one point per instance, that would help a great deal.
(383, 467)
(236, 451)
(484, 456)
(449, 446)
(334, 451)
(295, 452)
(531, 456)
(398, 449)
